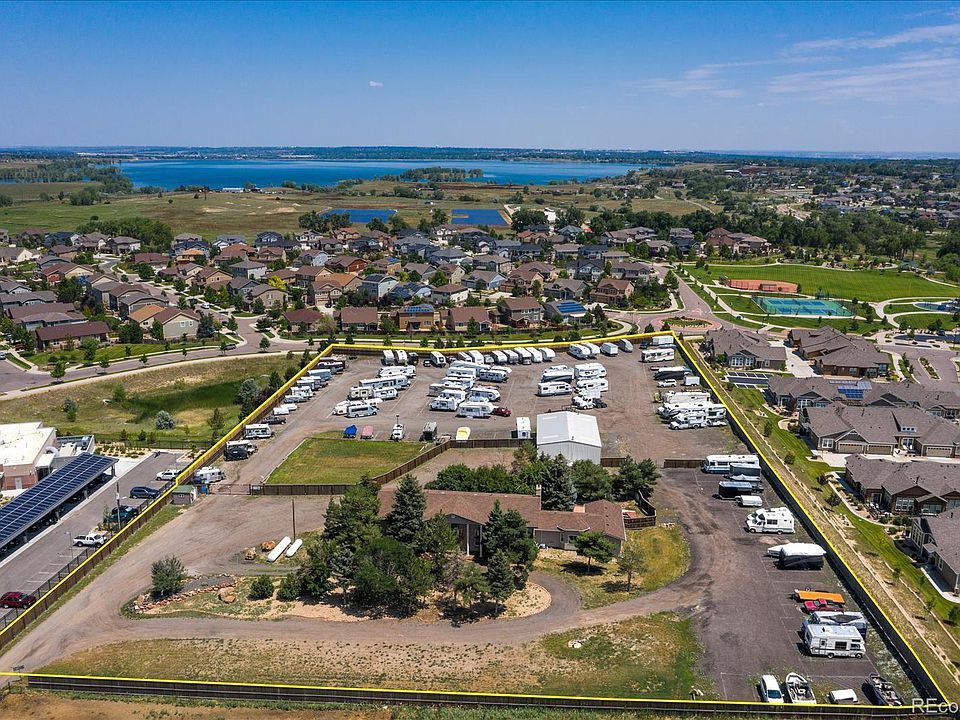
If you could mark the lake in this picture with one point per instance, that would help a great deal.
(217, 174)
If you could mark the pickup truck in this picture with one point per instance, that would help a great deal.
(90, 540)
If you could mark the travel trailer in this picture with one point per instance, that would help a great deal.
(254, 431)
(557, 373)
(722, 463)
(589, 370)
(649, 355)
(549, 389)
(475, 409)
(800, 556)
(388, 358)
(438, 359)
(732, 489)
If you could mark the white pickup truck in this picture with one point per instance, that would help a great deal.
(95, 539)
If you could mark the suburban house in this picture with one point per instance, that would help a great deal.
(143, 316)
(267, 294)
(54, 337)
(346, 264)
(376, 286)
(521, 281)
(328, 289)
(250, 269)
(15, 255)
(565, 289)
(177, 323)
(938, 538)
(633, 271)
(905, 488)
(157, 261)
(521, 311)
(611, 291)
(846, 429)
(122, 245)
(416, 318)
(308, 318)
(484, 280)
(834, 353)
(587, 269)
(737, 348)
(565, 311)
(458, 319)
(450, 294)
(358, 319)
(211, 277)
(794, 393)
(468, 512)
(738, 243)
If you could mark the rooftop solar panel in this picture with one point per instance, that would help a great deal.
(32, 506)
(570, 306)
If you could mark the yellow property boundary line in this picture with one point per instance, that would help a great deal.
(344, 348)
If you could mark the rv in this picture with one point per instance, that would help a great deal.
(800, 556)
(662, 341)
(484, 392)
(549, 355)
(208, 474)
(360, 392)
(314, 383)
(610, 349)
(281, 410)
(238, 449)
(361, 410)
(401, 356)
(512, 357)
(334, 363)
(580, 352)
(722, 463)
(445, 403)
(523, 428)
(437, 359)
(829, 617)
(548, 389)
(599, 383)
(589, 370)
(656, 355)
(582, 402)
(473, 409)
(252, 432)
(682, 396)
(770, 520)
(732, 489)
(625, 345)
(429, 432)
(302, 390)
(689, 422)
(388, 358)
(752, 501)
(536, 355)
(295, 397)
(526, 357)
(499, 357)
(833, 640)
(669, 410)
(408, 370)
(476, 356)
(594, 350)
(385, 393)
(557, 373)
(322, 373)
(675, 374)
(494, 374)
(392, 381)
(436, 389)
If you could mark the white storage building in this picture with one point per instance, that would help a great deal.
(573, 435)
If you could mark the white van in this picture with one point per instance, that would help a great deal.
(361, 410)
(600, 384)
(548, 389)
(478, 409)
(257, 430)
(610, 349)
(770, 520)
(625, 345)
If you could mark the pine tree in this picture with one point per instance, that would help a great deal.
(500, 578)
(440, 546)
(405, 520)
(557, 491)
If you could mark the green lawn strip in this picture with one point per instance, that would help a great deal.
(870, 285)
(329, 461)
(666, 555)
(649, 656)
(17, 361)
(922, 320)
(118, 352)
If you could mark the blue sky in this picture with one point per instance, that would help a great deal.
(751, 76)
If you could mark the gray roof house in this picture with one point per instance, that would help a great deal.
(918, 487)
(743, 349)
(938, 538)
(879, 431)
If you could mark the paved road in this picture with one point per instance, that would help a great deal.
(937, 353)
(37, 561)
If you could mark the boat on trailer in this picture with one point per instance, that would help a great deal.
(799, 690)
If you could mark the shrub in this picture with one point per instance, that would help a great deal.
(165, 421)
(790, 458)
(290, 588)
(168, 575)
(262, 588)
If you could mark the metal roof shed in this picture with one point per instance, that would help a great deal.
(574, 435)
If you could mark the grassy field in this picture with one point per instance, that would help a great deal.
(652, 656)
(667, 558)
(870, 285)
(116, 352)
(922, 319)
(31, 191)
(190, 393)
(332, 461)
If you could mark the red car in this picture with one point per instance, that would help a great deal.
(811, 606)
(501, 411)
(16, 600)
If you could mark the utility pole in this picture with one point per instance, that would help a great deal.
(293, 513)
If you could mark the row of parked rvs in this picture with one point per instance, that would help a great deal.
(691, 409)
(461, 392)
(365, 397)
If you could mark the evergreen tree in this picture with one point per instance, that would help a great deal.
(470, 585)
(593, 546)
(507, 531)
(168, 575)
(591, 481)
(635, 480)
(557, 491)
(440, 546)
(315, 572)
(500, 579)
(353, 521)
(405, 519)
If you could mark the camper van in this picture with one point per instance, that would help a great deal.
(437, 359)
(208, 474)
(254, 431)
(599, 383)
(589, 370)
(548, 389)
(722, 463)
(475, 409)
(610, 349)
(833, 640)
(689, 421)
(625, 345)
(388, 358)
(732, 489)
(800, 556)
(484, 392)
(557, 373)
(361, 409)
(648, 355)
(777, 520)
(445, 403)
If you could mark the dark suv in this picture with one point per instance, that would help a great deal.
(16, 600)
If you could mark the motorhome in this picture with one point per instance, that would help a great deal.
(512, 357)
(257, 430)
(672, 409)
(548, 389)
(589, 370)
(722, 463)
(777, 520)
(484, 392)
(395, 381)
(526, 357)
(599, 383)
(208, 474)
(494, 374)
(580, 352)
(648, 355)
(470, 365)
(839, 617)
(833, 640)
(625, 345)
(557, 373)
(732, 489)
(361, 410)
(800, 556)
(445, 403)
(549, 354)
(467, 371)
(610, 349)
(475, 409)
(388, 358)
(689, 422)
(437, 359)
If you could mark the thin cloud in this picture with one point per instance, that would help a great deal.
(375, 84)
(939, 34)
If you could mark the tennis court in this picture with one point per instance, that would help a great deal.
(802, 306)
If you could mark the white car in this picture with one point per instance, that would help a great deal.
(667, 383)
(770, 691)
(397, 434)
(168, 474)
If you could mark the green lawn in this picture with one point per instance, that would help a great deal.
(923, 320)
(332, 461)
(116, 352)
(666, 555)
(870, 285)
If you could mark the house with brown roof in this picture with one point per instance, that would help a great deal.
(358, 319)
(736, 348)
(328, 288)
(467, 513)
(58, 336)
(636, 272)
(421, 317)
(905, 488)
(612, 291)
(143, 316)
(521, 311)
(303, 319)
(457, 319)
(450, 294)
(157, 261)
(270, 296)
(834, 353)
(847, 429)
(211, 277)
(346, 264)
(177, 323)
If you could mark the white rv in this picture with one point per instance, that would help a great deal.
(494, 374)
(681, 396)
(526, 357)
(548, 354)
(401, 357)
(833, 640)
(475, 409)
(689, 422)
(777, 520)
(523, 428)
(548, 389)
(600, 384)
(593, 349)
(445, 403)
(408, 370)
(438, 358)
(476, 356)
(656, 354)
(610, 349)
(254, 431)
(580, 352)
(536, 355)
(388, 358)
(557, 373)
(512, 357)
(589, 370)
(499, 357)
(722, 463)
(361, 409)
(484, 392)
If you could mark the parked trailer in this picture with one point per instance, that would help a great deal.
(476, 356)
(526, 357)
(294, 547)
(536, 354)
(475, 409)
(722, 463)
(438, 359)
(494, 374)
(512, 357)
(656, 354)
(445, 403)
(388, 358)
(680, 396)
(557, 373)
(408, 370)
(833, 640)
(610, 349)
(393, 381)
(549, 389)
(580, 352)
(801, 556)
(593, 349)
(732, 489)
(625, 345)
(844, 617)
(499, 357)
(523, 428)
(549, 354)
(484, 392)
(662, 340)
(324, 373)
(600, 384)
(401, 357)
(257, 430)
(689, 422)
(589, 370)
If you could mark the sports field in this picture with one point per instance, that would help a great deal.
(870, 285)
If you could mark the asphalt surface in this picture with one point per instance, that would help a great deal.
(42, 557)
